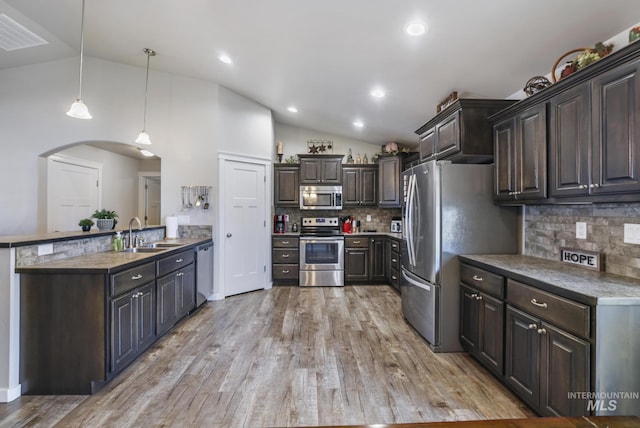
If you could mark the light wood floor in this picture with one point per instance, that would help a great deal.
(285, 357)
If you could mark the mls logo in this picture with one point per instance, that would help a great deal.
(602, 405)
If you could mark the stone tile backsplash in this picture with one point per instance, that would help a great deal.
(380, 217)
(549, 227)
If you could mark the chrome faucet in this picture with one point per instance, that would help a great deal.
(132, 241)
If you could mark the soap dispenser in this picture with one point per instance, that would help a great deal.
(118, 242)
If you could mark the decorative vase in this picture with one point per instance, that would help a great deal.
(105, 223)
(634, 34)
(86, 228)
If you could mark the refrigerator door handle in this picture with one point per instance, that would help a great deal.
(412, 281)
(410, 230)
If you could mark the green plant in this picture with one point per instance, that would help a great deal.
(104, 214)
(86, 222)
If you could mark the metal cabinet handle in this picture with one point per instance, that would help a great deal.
(136, 277)
(478, 297)
(538, 304)
(285, 271)
(285, 256)
(594, 186)
(474, 296)
(394, 246)
(394, 277)
(542, 331)
(180, 274)
(477, 278)
(533, 326)
(285, 242)
(394, 260)
(178, 260)
(356, 242)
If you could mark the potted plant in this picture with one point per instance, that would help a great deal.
(86, 224)
(105, 219)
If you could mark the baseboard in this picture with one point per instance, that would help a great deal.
(9, 394)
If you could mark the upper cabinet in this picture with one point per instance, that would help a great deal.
(286, 185)
(321, 169)
(592, 127)
(359, 185)
(389, 181)
(461, 132)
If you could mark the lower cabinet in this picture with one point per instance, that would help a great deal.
(176, 297)
(379, 262)
(356, 259)
(285, 260)
(393, 265)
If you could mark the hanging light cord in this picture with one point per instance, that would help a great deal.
(81, 51)
(149, 53)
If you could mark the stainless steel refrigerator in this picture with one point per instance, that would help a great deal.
(448, 210)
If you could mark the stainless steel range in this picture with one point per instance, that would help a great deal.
(321, 252)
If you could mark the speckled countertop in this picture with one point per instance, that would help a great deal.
(108, 261)
(582, 285)
(23, 240)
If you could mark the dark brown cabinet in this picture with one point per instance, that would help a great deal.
(359, 185)
(321, 169)
(285, 259)
(522, 365)
(393, 268)
(461, 132)
(356, 259)
(521, 156)
(379, 262)
(176, 289)
(286, 185)
(389, 181)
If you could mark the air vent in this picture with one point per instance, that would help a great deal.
(14, 36)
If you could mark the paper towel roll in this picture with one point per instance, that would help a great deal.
(172, 227)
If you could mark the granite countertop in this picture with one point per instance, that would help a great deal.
(23, 240)
(108, 261)
(576, 283)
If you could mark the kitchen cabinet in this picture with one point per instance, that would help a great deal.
(389, 181)
(286, 185)
(356, 259)
(521, 156)
(359, 185)
(176, 289)
(461, 132)
(285, 259)
(393, 267)
(378, 262)
(321, 169)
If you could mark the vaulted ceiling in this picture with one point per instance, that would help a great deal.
(325, 56)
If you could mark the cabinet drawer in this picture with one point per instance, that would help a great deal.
(131, 278)
(353, 242)
(394, 260)
(395, 246)
(482, 280)
(285, 242)
(394, 277)
(561, 312)
(175, 261)
(284, 271)
(285, 255)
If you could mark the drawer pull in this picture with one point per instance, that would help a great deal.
(284, 242)
(394, 260)
(285, 256)
(478, 297)
(179, 261)
(136, 277)
(394, 246)
(285, 271)
(474, 296)
(540, 305)
(180, 274)
(356, 242)
(542, 331)
(477, 278)
(394, 277)
(533, 327)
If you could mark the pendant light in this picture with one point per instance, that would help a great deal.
(143, 137)
(79, 109)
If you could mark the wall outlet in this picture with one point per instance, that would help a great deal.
(45, 249)
(631, 233)
(368, 217)
(581, 230)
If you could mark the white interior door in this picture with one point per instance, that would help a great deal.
(152, 200)
(73, 190)
(244, 229)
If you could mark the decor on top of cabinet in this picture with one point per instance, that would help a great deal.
(291, 159)
(584, 58)
(350, 157)
(105, 219)
(279, 151)
(451, 98)
(319, 146)
(634, 34)
(535, 85)
(86, 224)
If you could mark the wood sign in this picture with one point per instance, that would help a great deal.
(451, 98)
(584, 258)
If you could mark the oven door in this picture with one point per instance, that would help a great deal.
(321, 253)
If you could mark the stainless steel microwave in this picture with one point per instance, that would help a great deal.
(320, 197)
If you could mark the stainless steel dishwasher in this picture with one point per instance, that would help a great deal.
(204, 272)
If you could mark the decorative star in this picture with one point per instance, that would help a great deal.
(313, 149)
(322, 148)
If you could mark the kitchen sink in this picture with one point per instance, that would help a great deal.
(163, 245)
(143, 250)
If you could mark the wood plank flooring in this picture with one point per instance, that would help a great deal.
(288, 356)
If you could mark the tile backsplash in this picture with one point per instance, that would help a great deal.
(549, 227)
(380, 217)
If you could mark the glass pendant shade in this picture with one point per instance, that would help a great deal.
(143, 138)
(79, 110)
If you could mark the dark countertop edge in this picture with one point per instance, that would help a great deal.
(24, 240)
(587, 299)
(144, 257)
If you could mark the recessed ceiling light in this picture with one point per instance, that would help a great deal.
(377, 93)
(415, 29)
(146, 153)
(292, 109)
(225, 58)
(358, 124)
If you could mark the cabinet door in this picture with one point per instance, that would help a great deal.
(522, 355)
(448, 135)
(616, 130)
(286, 182)
(569, 142)
(378, 266)
(369, 186)
(490, 335)
(504, 160)
(389, 179)
(356, 264)
(146, 316)
(531, 153)
(331, 171)
(564, 369)
(428, 145)
(166, 305)
(124, 334)
(350, 186)
(469, 325)
(185, 291)
(310, 171)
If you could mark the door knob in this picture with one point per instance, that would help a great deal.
(229, 235)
